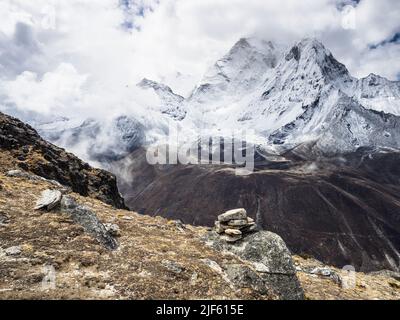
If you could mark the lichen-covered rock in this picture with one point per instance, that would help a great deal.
(89, 221)
(172, 266)
(113, 229)
(243, 276)
(230, 238)
(270, 257)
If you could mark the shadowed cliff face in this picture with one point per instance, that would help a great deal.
(28, 151)
(344, 211)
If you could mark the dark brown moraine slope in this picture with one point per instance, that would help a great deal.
(26, 150)
(341, 211)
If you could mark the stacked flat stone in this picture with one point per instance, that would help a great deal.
(234, 224)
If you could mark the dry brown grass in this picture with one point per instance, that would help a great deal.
(86, 270)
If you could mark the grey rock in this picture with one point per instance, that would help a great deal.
(244, 277)
(172, 266)
(30, 176)
(113, 229)
(212, 264)
(249, 228)
(178, 225)
(89, 221)
(219, 228)
(326, 272)
(260, 267)
(230, 239)
(48, 200)
(235, 214)
(238, 223)
(269, 252)
(13, 251)
(336, 278)
(233, 232)
(18, 174)
(194, 278)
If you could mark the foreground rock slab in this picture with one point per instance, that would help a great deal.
(269, 256)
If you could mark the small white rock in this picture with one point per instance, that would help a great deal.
(326, 272)
(13, 251)
(113, 229)
(48, 200)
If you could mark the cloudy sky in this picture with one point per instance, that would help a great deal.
(69, 56)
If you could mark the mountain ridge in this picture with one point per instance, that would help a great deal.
(265, 88)
(25, 149)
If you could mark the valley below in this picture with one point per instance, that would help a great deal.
(341, 211)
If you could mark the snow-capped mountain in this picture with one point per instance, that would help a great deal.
(241, 70)
(171, 103)
(286, 96)
(378, 93)
(300, 95)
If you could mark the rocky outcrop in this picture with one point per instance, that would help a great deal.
(28, 151)
(269, 258)
(89, 221)
(82, 215)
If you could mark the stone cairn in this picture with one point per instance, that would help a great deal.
(233, 225)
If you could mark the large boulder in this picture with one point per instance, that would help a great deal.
(269, 257)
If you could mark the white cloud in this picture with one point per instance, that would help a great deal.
(87, 63)
(55, 91)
